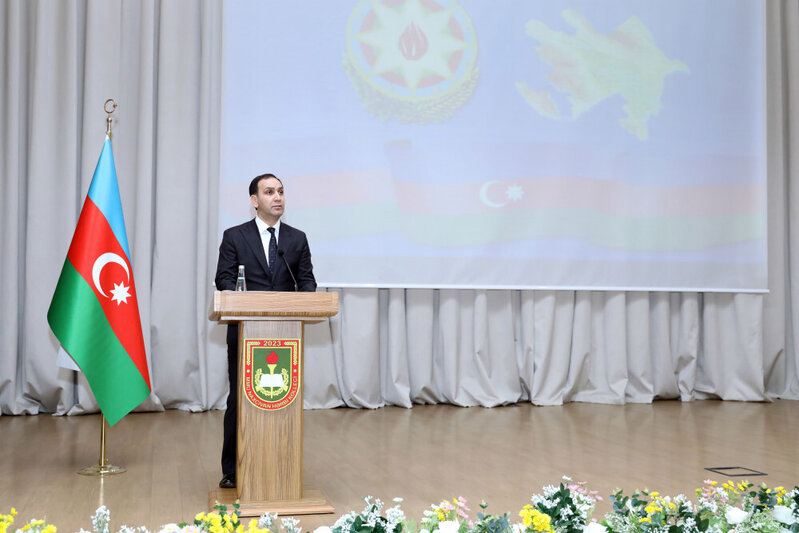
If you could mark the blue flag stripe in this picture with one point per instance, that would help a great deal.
(104, 192)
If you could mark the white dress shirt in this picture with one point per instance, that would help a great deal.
(265, 235)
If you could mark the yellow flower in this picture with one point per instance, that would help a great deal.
(644, 519)
(49, 529)
(542, 522)
(535, 519)
(526, 517)
(654, 494)
(13, 512)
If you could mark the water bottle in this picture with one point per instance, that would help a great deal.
(241, 283)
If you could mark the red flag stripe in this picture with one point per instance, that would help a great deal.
(615, 198)
(93, 238)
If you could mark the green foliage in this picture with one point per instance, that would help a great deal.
(488, 523)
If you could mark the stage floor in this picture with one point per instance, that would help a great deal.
(425, 454)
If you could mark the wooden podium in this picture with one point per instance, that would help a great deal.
(269, 440)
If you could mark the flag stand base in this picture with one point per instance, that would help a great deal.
(102, 468)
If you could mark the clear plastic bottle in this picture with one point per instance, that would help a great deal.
(241, 282)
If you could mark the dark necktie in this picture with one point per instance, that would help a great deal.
(272, 250)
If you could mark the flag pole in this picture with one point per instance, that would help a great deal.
(102, 468)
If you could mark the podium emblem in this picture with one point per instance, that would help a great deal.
(271, 372)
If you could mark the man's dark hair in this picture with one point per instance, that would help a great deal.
(257, 179)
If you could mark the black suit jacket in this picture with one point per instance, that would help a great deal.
(241, 245)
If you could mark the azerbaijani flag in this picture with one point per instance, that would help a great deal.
(94, 312)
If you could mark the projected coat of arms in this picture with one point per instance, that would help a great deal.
(411, 60)
(271, 372)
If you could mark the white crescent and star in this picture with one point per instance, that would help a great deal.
(484, 195)
(513, 192)
(120, 291)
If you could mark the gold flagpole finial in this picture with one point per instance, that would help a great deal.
(110, 106)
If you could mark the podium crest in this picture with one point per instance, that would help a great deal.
(271, 372)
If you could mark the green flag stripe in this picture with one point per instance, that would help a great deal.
(79, 323)
(659, 234)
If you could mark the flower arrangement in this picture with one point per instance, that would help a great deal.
(727, 508)
(566, 508)
(448, 516)
(563, 509)
(6, 520)
(487, 523)
(34, 526)
(370, 520)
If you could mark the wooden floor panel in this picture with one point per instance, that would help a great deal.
(424, 454)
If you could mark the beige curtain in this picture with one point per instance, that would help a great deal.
(161, 61)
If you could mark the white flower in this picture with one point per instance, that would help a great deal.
(101, 519)
(344, 523)
(322, 529)
(266, 520)
(448, 526)
(169, 528)
(290, 525)
(395, 516)
(734, 515)
(783, 514)
(594, 527)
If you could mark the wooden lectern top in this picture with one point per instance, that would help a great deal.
(233, 306)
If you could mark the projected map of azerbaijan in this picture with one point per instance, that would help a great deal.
(591, 67)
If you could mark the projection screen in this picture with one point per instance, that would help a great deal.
(509, 144)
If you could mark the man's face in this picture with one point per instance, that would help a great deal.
(269, 201)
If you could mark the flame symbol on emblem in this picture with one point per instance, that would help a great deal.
(413, 43)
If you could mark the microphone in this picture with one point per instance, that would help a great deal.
(282, 255)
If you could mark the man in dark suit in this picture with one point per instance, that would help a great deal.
(274, 255)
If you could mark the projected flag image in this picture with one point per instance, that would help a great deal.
(521, 145)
